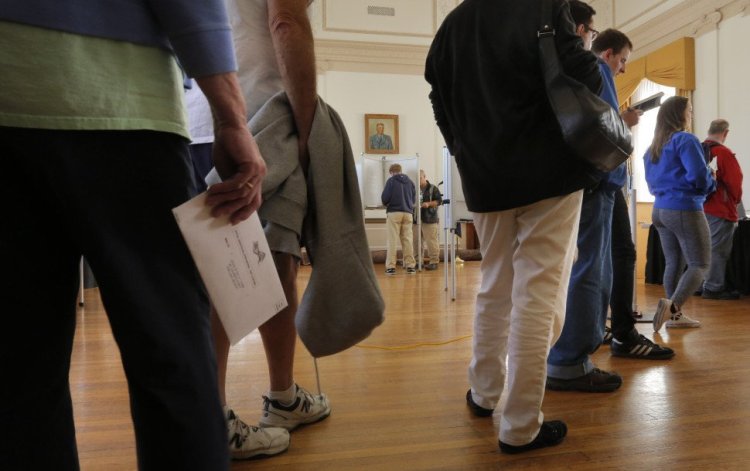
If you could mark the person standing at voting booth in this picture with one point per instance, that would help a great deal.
(398, 197)
(524, 186)
(429, 200)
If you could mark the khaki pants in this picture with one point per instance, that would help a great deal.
(431, 238)
(399, 229)
(527, 258)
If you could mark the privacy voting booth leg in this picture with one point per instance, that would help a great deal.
(449, 171)
(82, 286)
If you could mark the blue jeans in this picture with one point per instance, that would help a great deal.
(722, 234)
(589, 290)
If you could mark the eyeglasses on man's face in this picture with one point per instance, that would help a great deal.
(594, 33)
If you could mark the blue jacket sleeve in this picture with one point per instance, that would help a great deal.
(697, 172)
(199, 33)
(385, 198)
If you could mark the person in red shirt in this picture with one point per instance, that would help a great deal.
(721, 208)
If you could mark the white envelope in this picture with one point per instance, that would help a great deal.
(236, 266)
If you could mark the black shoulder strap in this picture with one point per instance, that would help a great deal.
(707, 148)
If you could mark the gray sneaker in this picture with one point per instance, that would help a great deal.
(246, 441)
(663, 312)
(306, 409)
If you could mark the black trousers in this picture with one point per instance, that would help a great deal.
(623, 274)
(107, 195)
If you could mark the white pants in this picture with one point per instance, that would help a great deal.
(527, 256)
(399, 229)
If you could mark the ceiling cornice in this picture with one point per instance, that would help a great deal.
(355, 56)
(690, 19)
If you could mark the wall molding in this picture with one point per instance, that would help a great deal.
(373, 57)
(624, 24)
(690, 19)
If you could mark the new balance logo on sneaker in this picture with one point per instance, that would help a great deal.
(246, 441)
(305, 409)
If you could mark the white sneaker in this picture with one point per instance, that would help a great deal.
(663, 311)
(305, 409)
(680, 320)
(246, 441)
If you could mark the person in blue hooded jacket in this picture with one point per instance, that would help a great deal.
(680, 180)
(398, 197)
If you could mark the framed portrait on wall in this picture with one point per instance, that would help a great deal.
(381, 134)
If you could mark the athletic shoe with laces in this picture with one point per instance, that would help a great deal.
(411, 270)
(681, 321)
(608, 336)
(247, 441)
(551, 433)
(390, 271)
(663, 311)
(306, 409)
(640, 347)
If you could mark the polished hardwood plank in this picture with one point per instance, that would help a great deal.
(398, 398)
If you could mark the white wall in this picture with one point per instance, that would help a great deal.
(354, 94)
(722, 89)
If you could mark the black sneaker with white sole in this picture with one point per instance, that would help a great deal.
(390, 271)
(640, 347)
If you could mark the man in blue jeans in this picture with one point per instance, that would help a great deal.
(569, 366)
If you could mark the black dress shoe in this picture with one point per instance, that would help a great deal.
(551, 433)
(475, 408)
(595, 381)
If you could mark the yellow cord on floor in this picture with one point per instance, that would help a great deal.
(416, 345)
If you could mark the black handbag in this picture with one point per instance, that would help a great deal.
(590, 126)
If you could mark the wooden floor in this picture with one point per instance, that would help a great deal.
(398, 398)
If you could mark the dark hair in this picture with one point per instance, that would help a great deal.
(581, 12)
(611, 39)
(718, 126)
(671, 118)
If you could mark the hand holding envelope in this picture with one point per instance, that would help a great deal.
(235, 264)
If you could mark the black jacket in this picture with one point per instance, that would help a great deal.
(491, 105)
(429, 215)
